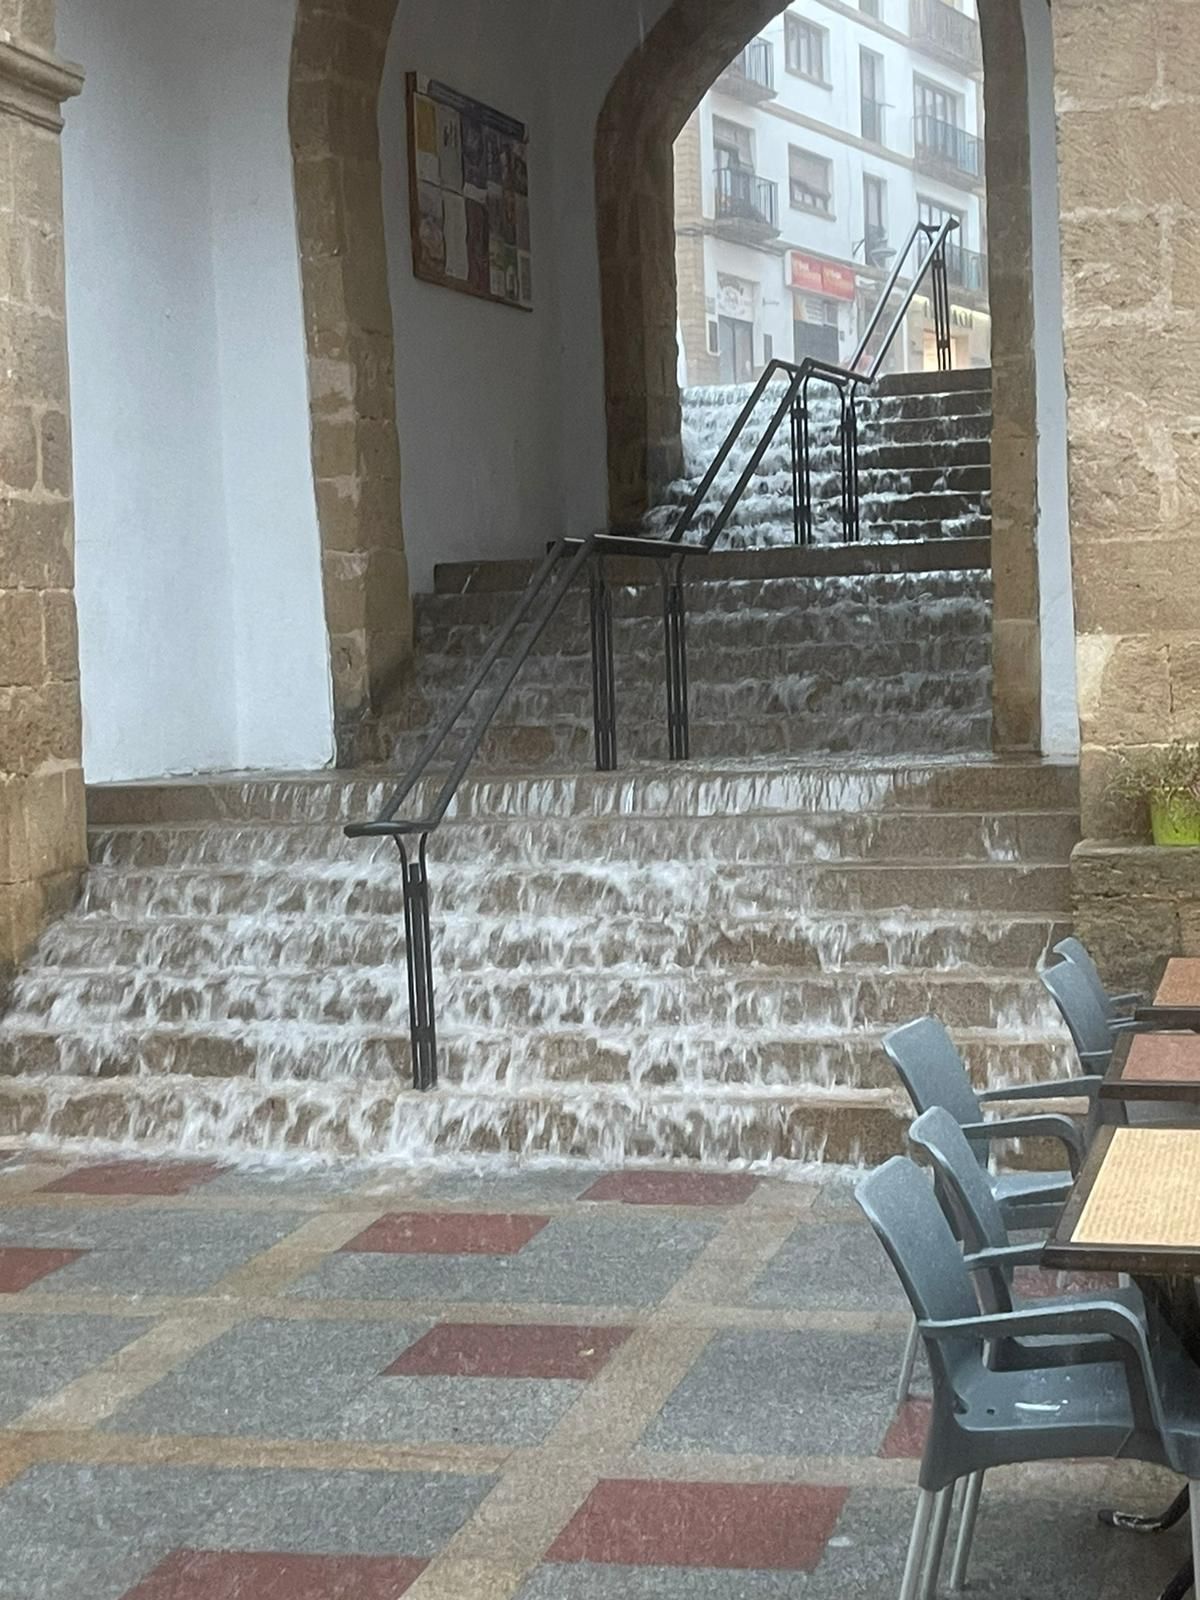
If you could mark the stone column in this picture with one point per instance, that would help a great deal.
(1129, 130)
(42, 832)
(1016, 636)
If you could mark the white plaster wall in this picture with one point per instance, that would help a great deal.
(477, 384)
(202, 635)
(1060, 714)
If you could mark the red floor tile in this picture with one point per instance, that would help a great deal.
(763, 1527)
(222, 1575)
(905, 1439)
(673, 1188)
(485, 1350)
(447, 1233)
(20, 1267)
(135, 1177)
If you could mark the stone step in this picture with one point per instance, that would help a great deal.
(906, 457)
(769, 500)
(811, 561)
(596, 1000)
(656, 789)
(712, 841)
(646, 889)
(787, 942)
(190, 1114)
(962, 380)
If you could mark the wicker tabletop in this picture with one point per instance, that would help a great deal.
(1136, 1206)
(1174, 994)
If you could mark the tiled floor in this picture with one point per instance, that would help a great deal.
(358, 1384)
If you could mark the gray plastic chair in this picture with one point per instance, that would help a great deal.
(986, 1415)
(933, 1073)
(969, 1205)
(1117, 1007)
(1084, 1014)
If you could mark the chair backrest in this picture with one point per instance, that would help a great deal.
(1081, 1011)
(967, 1199)
(1075, 950)
(899, 1203)
(932, 1071)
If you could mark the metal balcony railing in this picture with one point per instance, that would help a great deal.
(967, 269)
(751, 75)
(947, 148)
(947, 33)
(744, 197)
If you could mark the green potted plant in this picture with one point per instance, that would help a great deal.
(1167, 780)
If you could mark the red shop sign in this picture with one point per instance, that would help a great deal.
(820, 277)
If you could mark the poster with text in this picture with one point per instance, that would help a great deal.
(468, 195)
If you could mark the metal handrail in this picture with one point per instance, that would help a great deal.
(845, 379)
(539, 604)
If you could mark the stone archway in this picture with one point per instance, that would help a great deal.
(337, 67)
(648, 105)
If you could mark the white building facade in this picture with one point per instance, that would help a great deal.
(802, 173)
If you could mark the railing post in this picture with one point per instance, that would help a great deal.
(604, 690)
(675, 632)
(941, 309)
(802, 513)
(851, 510)
(422, 1019)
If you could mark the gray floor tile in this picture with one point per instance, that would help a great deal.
(830, 1264)
(272, 1378)
(575, 1260)
(40, 1355)
(525, 1188)
(583, 1581)
(345, 1513)
(516, 1411)
(782, 1394)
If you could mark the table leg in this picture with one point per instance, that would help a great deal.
(1180, 1584)
(1128, 1522)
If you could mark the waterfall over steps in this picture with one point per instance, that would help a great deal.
(691, 961)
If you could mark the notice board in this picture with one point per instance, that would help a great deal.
(469, 195)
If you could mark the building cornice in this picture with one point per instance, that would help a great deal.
(34, 83)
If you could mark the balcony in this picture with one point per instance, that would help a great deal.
(751, 76)
(747, 206)
(946, 151)
(948, 35)
(872, 120)
(966, 269)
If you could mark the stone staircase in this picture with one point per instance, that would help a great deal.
(924, 459)
(693, 960)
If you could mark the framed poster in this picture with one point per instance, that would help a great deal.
(468, 185)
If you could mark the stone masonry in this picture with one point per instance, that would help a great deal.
(42, 839)
(337, 64)
(1125, 83)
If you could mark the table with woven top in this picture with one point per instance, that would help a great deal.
(1174, 994)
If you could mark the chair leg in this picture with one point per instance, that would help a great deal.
(966, 1533)
(1129, 1522)
(916, 1545)
(1194, 1510)
(908, 1364)
(937, 1543)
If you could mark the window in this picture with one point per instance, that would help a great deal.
(870, 70)
(807, 49)
(875, 228)
(934, 214)
(811, 182)
(934, 103)
(734, 144)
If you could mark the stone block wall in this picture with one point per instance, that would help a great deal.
(42, 828)
(337, 65)
(1129, 128)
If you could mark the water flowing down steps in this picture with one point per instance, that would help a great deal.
(693, 961)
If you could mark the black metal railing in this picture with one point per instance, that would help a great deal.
(948, 33)
(752, 72)
(566, 561)
(742, 196)
(944, 145)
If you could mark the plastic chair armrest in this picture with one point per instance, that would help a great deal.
(1046, 1126)
(1134, 998)
(1106, 1317)
(1084, 1085)
(1006, 1255)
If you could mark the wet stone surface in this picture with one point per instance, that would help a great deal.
(566, 1384)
